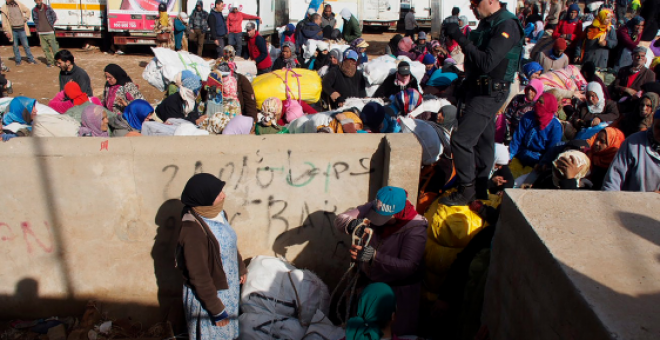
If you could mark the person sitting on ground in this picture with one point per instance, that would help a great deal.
(119, 89)
(69, 71)
(629, 80)
(534, 31)
(288, 58)
(406, 49)
(598, 42)
(628, 38)
(359, 45)
(180, 32)
(341, 83)
(61, 103)
(589, 72)
(604, 146)
(396, 82)
(182, 104)
(570, 169)
(271, 113)
(376, 312)
(130, 123)
(17, 121)
(519, 106)
(392, 47)
(395, 253)
(211, 264)
(244, 89)
(538, 131)
(570, 28)
(555, 58)
(406, 101)
(502, 178)
(532, 70)
(422, 47)
(322, 55)
(641, 118)
(328, 19)
(311, 30)
(94, 122)
(351, 26)
(636, 167)
(373, 117)
(335, 57)
(430, 67)
(595, 110)
(80, 101)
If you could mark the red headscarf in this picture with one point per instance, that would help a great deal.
(545, 111)
(73, 92)
(605, 157)
(402, 218)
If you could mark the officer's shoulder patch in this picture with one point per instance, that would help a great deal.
(506, 35)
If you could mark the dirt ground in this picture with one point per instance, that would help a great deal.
(41, 83)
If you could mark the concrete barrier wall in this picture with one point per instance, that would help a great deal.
(92, 218)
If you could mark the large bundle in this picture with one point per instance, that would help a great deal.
(302, 84)
(276, 288)
(568, 78)
(48, 125)
(427, 137)
(166, 64)
(375, 71)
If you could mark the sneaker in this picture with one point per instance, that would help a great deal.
(49, 65)
(18, 64)
(119, 52)
(461, 197)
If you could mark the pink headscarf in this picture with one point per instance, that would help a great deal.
(91, 121)
(405, 44)
(537, 85)
(229, 87)
(293, 110)
(239, 125)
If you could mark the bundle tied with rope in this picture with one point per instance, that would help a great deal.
(298, 84)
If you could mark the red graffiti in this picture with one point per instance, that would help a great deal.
(11, 236)
(104, 145)
(27, 229)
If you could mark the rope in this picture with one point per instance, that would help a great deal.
(350, 286)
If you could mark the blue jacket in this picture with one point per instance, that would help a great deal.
(218, 25)
(308, 31)
(529, 142)
(50, 16)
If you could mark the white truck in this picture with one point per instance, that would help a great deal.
(424, 15)
(372, 13)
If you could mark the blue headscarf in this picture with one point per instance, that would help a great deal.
(439, 78)
(573, 8)
(191, 81)
(19, 111)
(136, 112)
(372, 116)
(375, 308)
(531, 68)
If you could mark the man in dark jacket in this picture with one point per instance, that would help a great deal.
(399, 81)
(630, 79)
(199, 24)
(44, 18)
(258, 49)
(328, 18)
(218, 27)
(310, 30)
(70, 72)
(345, 81)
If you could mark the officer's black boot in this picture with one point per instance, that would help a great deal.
(463, 196)
(481, 188)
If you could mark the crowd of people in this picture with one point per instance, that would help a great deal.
(582, 113)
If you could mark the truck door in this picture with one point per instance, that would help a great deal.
(93, 14)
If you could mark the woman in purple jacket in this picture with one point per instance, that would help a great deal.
(394, 255)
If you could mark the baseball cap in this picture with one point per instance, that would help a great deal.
(403, 68)
(421, 36)
(350, 54)
(389, 201)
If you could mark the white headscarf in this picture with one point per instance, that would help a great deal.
(501, 154)
(346, 14)
(598, 90)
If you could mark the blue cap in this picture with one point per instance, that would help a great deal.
(389, 201)
(350, 54)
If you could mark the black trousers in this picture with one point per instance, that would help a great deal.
(473, 143)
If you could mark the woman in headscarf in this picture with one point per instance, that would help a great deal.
(136, 113)
(346, 81)
(399, 233)
(335, 57)
(628, 36)
(17, 121)
(595, 110)
(406, 101)
(182, 104)
(373, 117)
(598, 41)
(163, 27)
(538, 131)
(570, 169)
(80, 101)
(536, 32)
(271, 113)
(239, 125)
(463, 25)
(570, 29)
(180, 30)
(94, 122)
(208, 257)
(604, 146)
(392, 47)
(375, 314)
(405, 47)
(532, 70)
(640, 119)
(288, 58)
(519, 106)
(119, 89)
(430, 66)
(396, 82)
(589, 72)
(360, 45)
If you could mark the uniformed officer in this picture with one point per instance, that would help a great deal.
(492, 54)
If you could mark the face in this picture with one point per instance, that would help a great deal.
(530, 93)
(286, 52)
(645, 107)
(149, 118)
(63, 65)
(221, 197)
(461, 22)
(327, 11)
(318, 21)
(110, 79)
(639, 59)
(592, 98)
(334, 60)
(535, 75)
(428, 67)
(441, 118)
(573, 14)
(639, 28)
(219, 7)
(198, 7)
(104, 122)
(251, 33)
(608, 19)
(38, 2)
(601, 142)
(34, 112)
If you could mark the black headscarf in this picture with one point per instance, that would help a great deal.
(118, 73)
(372, 116)
(450, 112)
(394, 44)
(201, 190)
(589, 71)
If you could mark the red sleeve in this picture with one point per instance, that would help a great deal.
(624, 38)
(249, 16)
(556, 33)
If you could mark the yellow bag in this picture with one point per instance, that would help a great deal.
(518, 169)
(273, 85)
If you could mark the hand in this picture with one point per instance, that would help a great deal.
(602, 43)
(362, 254)
(629, 91)
(7, 34)
(595, 121)
(222, 323)
(499, 180)
(579, 95)
(200, 119)
(335, 95)
(8, 136)
(122, 102)
(569, 167)
(217, 42)
(243, 278)
(526, 186)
